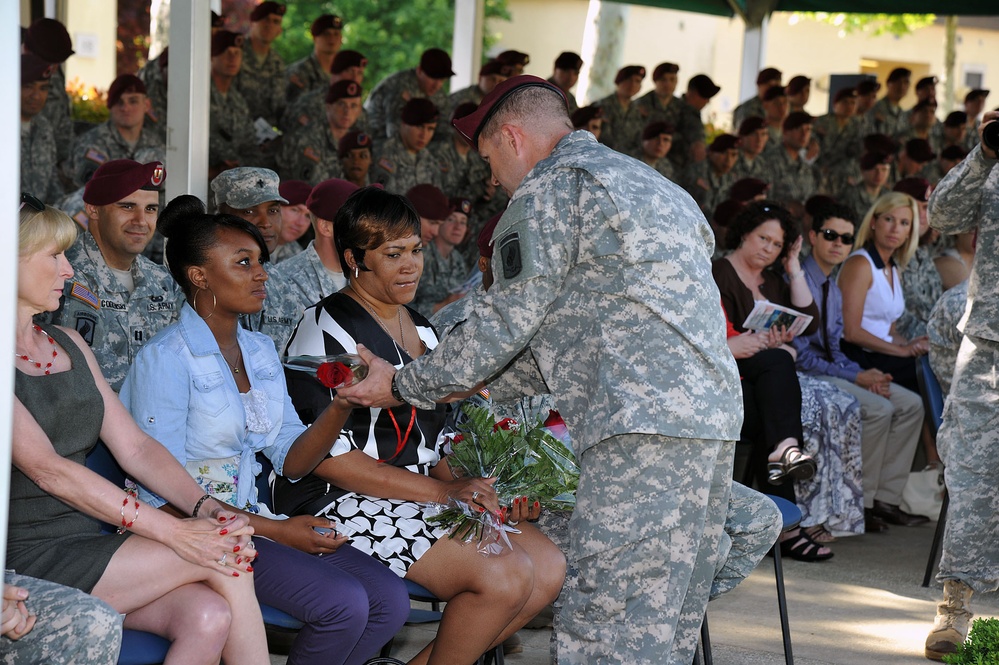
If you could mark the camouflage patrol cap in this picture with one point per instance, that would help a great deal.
(324, 23)
(868, 87)
(247, 186)
(472, 124)
(49, 40)
(917, 188)
(223, 40)
(769, 75)
(844, 93)
(664, 68)
(328, 197)
(797, 84)
(460, 204)
(346, 59)
(419, 111)
(956, 119)
(126, 83)
(797, 119)
(35, 69)
(724, 142)
(352, 140)
(115, 180)
(919, 150)
(265, 9)
(568, 60)
(436, 64)
(629, 71)
(345, 89)
(654, 129)
(582, 117)
(296, 192)
(430, 202)
(751, 125)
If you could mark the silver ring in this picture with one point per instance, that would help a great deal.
(475, 497)
(222, 560)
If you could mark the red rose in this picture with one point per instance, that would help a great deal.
(334, 375)
(506, 423)
(554, 419)
(458, 438)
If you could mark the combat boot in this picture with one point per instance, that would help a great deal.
(950, 628)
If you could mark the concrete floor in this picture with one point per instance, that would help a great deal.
(865, 605)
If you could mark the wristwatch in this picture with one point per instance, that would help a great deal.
(396, 395)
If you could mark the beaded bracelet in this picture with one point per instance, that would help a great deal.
(198, 505)
(127, 524)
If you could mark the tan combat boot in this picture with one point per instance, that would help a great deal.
(950, 628)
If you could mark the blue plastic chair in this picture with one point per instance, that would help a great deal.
(933, 402)
(791, 516)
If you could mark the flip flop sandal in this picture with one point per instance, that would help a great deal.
(793, 464)
(803, 548)
(820, 534)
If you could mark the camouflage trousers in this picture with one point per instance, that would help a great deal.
(72, 627)
(968, 442)
(644, 546)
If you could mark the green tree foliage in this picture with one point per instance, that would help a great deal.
(872, 24)
(390, 33)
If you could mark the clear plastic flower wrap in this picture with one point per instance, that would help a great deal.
(525, 461)
(331, 371)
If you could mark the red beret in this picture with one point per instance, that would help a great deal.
(751, 125)
(460, 204)
(917, 188)
(225, 39)
(324, 23)
(568, 60)
(485, 239)
(899, 73)
(582, 117)
(797, 84)
(436, 64)
(265, 9)
(724, 142)
(49, 40)
(654, 129)
(747, 189)
(880, 143)
(463, 109)
(472, 124)
(796, 120)
(430, 202)
(345, 89)
(920, 150)
(867, 87)
(773, 93)
(419, 111)
(122, 84)
(296, 192)
(346, 59)
(115, 180)
(34, 68)
(353, 140)
(726, 211)
(664, 68)
(495, 67)
(871, 159)
(767, 75)
(927, 82)
(628, 72)
(703, 85)
(844, 93)
(956, 119)
(514, 58)
(328, 197)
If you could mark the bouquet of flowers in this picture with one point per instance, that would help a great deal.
(525, 461)
(331, 371)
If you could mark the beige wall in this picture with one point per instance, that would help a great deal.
(96, 22)
(713, 45)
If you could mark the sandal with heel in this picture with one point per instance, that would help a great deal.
(802, 547)
(793, 464)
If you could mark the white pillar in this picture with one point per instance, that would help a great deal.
(466, 46)
(754, 55)
(188, 99)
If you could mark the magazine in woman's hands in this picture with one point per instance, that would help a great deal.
(766, 315)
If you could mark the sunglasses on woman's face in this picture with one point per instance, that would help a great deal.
(29, 200)
(832, 236)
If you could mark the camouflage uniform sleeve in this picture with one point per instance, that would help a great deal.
(521, 377)
(531, 258)
(377, 111)
(956, 204)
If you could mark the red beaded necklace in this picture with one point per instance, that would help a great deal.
(55, 352)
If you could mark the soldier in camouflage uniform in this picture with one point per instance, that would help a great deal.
(313, 71)
(974, 104)
(874, 170)
(657, 139)
(660, 104)
(565, 76)
(309, 153)
(688, 141)
(69, 626)
(231, 138)
(154, 75)
(123, 136)
(945, 334)
(49, 40)
(708, 181)
(355, 157)
(948, 158)
(39, 171)
(775, 112)
(309, 107)
(118, 299)
(261, 78)
(923, 286)
(840, 142)
(886, 116)
(793, 179)
(404, 161)
(766, 79)
(385, 103)
(445, 269)
(569, 316)
(464, 172)
(491, 74)
(753, 138)
(72, 204)
(623, 120)
(308, 277)
(969, 436)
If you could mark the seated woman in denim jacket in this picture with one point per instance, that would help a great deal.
(215, 395)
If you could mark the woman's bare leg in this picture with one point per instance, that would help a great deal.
(488, 598)
(193, 617)
(143, 571)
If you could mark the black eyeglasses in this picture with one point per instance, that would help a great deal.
(29, 200)
(832, 236)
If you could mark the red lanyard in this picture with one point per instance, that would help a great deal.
(400, 439)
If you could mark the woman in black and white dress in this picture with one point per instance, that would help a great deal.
(386, 464)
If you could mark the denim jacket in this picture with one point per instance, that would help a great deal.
(181, 392)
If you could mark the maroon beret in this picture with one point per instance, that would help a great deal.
(224, 40)
(747, 189)
(703, 85)
(664, 68)
(751, 125)
(34, 68)
(899, 73)
(419, 111)
(817, 202)
(514, 58)
(460, 204)
(582, 117)
(436, 64)
(485, 239)
(774, 93)
(977, 93)
(917, 188)
(324, 23)
(954, 153)
(926, 82)
(49, 40)
(123, 84)
(726, 211)
(628, 72)
(871, 159)
(328, 197)
(797, 119)
(353, 140)
(115, 180)
(495, 67)
(880, 143)
(430, 202)
(265, 9)
(217, 21)
(654, 129)
(868, 87)
(345, 89)
(797, 84)
(767, 75)
(472, 124)
(844, 93)
(295, 192)
(568, 60)
(346, 59)
(724, 142)
(919, 150)
(925, 104)
(463, 109)
(956, 119)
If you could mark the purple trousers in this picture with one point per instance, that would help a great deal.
(350, 603)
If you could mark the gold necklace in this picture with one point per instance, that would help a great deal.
(239, 357)
(379, 320)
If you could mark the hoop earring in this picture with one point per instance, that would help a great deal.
(194, 303)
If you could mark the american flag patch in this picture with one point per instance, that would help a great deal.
(96, 156)
(387, 164)
(82, 293)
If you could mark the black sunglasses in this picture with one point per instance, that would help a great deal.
(832, 236)
(29, 200)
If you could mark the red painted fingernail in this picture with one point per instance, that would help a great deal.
(537, 504)
(236, 548)
(516, 500)
(239, 560)
(221, 518)
(480, 509)
(235, 574)
(249, 569)
(223, 532)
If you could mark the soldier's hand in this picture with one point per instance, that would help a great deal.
(16, 620)
(376, 388)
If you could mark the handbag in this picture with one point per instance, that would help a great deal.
(924, 491)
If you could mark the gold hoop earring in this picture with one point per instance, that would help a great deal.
(194, 303)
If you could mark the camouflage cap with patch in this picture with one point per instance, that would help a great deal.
(247, 186)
